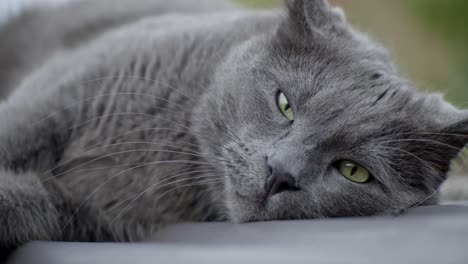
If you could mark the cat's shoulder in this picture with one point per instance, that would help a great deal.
(230, 25)
(164, 38)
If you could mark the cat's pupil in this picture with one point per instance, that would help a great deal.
(286, 107)
(354, 170)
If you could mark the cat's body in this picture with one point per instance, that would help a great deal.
(135, 111)
(150, 123)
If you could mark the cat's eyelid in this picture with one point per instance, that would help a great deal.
(288, 97)
(359, 161)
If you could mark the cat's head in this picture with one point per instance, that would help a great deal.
(314, 121)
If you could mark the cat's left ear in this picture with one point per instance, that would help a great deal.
(307, 18)
(449, 134)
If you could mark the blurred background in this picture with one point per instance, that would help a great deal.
(429, 42)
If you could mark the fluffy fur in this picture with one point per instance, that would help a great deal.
(116, 127)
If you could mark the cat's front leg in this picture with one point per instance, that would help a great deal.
(27, 210)
(27, 148)
(33, 204)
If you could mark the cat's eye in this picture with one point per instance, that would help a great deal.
(353, 171)
(284, 106)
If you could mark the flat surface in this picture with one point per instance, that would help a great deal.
(434, 234)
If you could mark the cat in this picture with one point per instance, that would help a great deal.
(125, 117)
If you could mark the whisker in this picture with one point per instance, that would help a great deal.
(423, 140)
(391, 129)
(156, 129)
(157, 184)
(424, 200)
(168, 129)
(123, 152)
(185, 151)
(163, 194)
(140, 94)
(108, 180)
(431, 133)
(140, 78)
(147, 115)
(411, 154)
(125, 165)
(161, 181)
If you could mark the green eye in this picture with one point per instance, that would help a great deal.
(353, 172)
(284, 106)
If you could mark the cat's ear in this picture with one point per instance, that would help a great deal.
(307, 18)
(449, 134)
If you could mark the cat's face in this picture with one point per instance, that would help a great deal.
(313, 121)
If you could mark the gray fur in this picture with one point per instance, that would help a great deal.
(117, 128)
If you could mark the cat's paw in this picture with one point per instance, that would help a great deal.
(26, 212)
(21, 225)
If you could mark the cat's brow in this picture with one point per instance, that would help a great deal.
(381, 96)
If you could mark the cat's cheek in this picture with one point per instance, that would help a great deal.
(236, 206)
(240, 206)
(240, 211)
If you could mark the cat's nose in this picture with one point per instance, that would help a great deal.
(279, 180)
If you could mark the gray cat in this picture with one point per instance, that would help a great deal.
(118, 125)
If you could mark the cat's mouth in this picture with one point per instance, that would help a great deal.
(245, 209)
(253, 208)
(258, 201)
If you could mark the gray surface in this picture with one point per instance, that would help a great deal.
(437, 234)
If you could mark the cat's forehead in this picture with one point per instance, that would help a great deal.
(353, 100)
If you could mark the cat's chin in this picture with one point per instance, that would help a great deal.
(243, 209)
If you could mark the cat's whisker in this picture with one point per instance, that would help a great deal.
(435, 142)
(422, 140)
(126, 152)
(431, 134)
(93, 98)
(221, 218)
(198, 117)
(426, 162)
(158, 129)
(110, 179)
(147, 115)
(123, 114)
(157, 185)
(162, 181)
(155, 129)
(124, 165)
(141, 78)
(139, 94)
(424, 200)
(416, 204)
(431, 141)
(163, 194)
(95, 146)
(385, 165)
(183, 151)
(390, 131)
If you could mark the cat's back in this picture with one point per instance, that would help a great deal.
(184, 47)
(34, 36)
